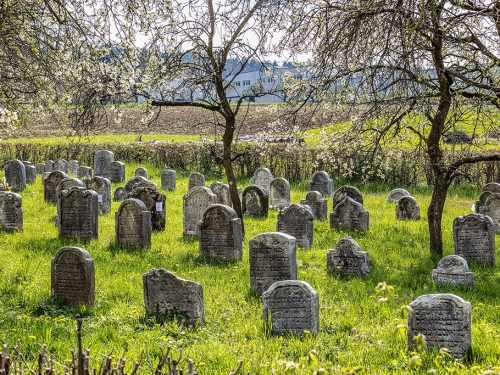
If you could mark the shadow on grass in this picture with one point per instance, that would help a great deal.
(55, 307)
(115, 247)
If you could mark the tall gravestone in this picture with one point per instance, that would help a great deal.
(255, 201)
(141, 171)
(297, 221)
(195, 179)
(168, 179)
(40, 168)
(407, 209)
(11, 211)
(279, 193)
(491, 208)
(30, 172)
(83, 172)
(348, 259)
(444, 320)
(73, 277)
(61, 165)
(452, 270)
(318, 204)
(50, 181)
(221, 233)
(66, 183)
(49, 166)
(474, 238)
(396, 194)
(221, 190)
(291, 306)
(347, 191)
(77, 210)
(492, 187)
(15, 174)
(272, 258)
(166, 294)
(102, 163)
(133, 224)
(117, 171)
(137, 181)
(262, 177)
(349, 214)
(155, 203)
(320, 181)
(194, 204)
(73, 166)
(102, 186)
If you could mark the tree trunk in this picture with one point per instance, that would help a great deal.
(435, 214)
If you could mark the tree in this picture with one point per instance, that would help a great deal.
(388, 59)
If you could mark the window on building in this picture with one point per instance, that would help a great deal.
(271, 80)
(246, 82)
(261, 80)
(237, 83)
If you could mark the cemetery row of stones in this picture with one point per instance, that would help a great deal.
(289, 304)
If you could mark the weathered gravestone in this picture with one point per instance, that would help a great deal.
(196, 179)
(61, 165)
(83, 172)
(474, 238)
(444, 320)
(102, 186)
(347, 191)
(279, 193)
(15, 174)
(492, 187)
(102, 162)
(452, 270)
(255, 201)
(491, 208)
(168, 179)
(221, 233)
(141, 171)
(11, 211)
(272, 258)
(318, 204)
(30, 172)
(297, 221)
(291, 306)
(396, 194)
(73, 166)
(40, 168)
(133, 223)
(77, 211)
(348, 259)
(137, 181)
(349, 214)
(49, 166)
(481, 201)
(117, 171)
(50, 181)
(262, 177)
(194, 204)
(166, 294)
(407, 209)
(67, 183)
(73, 277)
(320, 181)
(119, 194)
(221, 191)
(155, 203)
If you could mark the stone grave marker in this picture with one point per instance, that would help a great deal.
(492, 187)
(196, 179)
(481, 201)
(61, 165)
(30, 172)
(11, 211)
(221, 233)
(49, 166)
(77, 211)
(102, 186)
(349, 214)
(137, 181)
(474, 238)
(272, 258)
(155, 203)
(297, 221)
(291, 306)
(73, 166)
(102, 163)
(262, 177)
(279, 193)
(407, 209)
(444, 320)
(117, 171)
(84, 173)
(255, 201)
(318, 204)
(141, 171)
(119, 194)
(15, 174)
(320, 181)
(133, 223)
(491, 208)
(40, 168)
(452, 270)
(396, 194)
(348, 259)
(221, 190)
(50, 181)
(66, 183)
(73, 277)
(347, 191)
(166, 294)
(168, 179)
(194, 204)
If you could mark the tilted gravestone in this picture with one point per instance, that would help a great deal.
(291, 306)
(492, 187)
(83, 172)
(279, 193)
(255, 201)
(481, 201)
(396, 194)
(133, 224)
(221, 190)
(73, 277)
(195, 179)
(297, 221)
(102, 163)
(50, 181)
(272, 258)
(166, 294)
(318, 204)
(117, 171)
(444, 320)
(40, 168)
(407, 209)
(61, 165)
(452, 270)
(347, 191)
(194, 204)
(30, 173)
(11, 211)
(348, 259)
(155, 203)
(474, 238)
(66, 183)
(15, 174)
(77, 211)
(119, 194)
(102, 186)
(491, 208)
(141, 171)
(73, 166)
(262, 177)
(168, 179)
(137, 181)
(49, 166)
(320, 181)
(221, 233)
(349, 214)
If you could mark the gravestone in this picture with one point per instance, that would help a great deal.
(320, 181)
(73, 277)
(474, 238)
(279, 193)
(452, 270)
(155, 203)
(220, 233)
(349, 214)
(30, 172)
(347, 191)
(83, 172)
(141, 172)
(196, 179)
(73, 166)
(166, 294)
(15, 174)
(291, 306)
(168, 179)
(117, 171)
(348, 259)
(272, 258)
(297, 221)
(318, 204)
(396, 194)
(102, 186)
(262, 177)
(50, 181)
(67, 183)
(49, 166)
(491, 208)
(194, 204)
(61, 165)
(221, 191)
(45, 177)
(102, 162)
(133, 224)
(77, 211)
(40, 168)
(492, 187)
(407, 209)
(481, 201)
(137, 181)
(119, 194)
(444, 320)
(254, 201)
(11, 211)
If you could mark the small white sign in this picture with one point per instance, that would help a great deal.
(159, 206)
(99, 198)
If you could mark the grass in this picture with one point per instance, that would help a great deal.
(358, 333)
